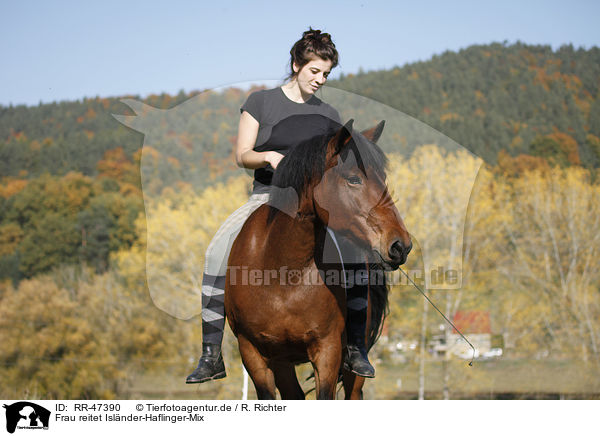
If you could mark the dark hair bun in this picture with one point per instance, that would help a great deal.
(311, 33)
(316, 34)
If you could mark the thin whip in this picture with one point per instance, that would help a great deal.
(435, 307)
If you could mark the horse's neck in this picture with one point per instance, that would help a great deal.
(291, 241)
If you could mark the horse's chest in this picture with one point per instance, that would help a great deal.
(301, 320)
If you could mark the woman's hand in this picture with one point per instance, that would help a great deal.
(273, 158)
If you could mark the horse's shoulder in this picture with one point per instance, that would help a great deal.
(260, 214)
(254, 225)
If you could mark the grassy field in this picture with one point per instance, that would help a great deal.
(497, 379)
(502, 378)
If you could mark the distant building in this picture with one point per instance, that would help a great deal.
(476, 327)
(474, 324)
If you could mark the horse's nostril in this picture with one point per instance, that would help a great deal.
(399, 252)
(396, 250)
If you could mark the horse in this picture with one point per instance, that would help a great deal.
(282, 304)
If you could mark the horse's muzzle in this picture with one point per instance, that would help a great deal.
(398, 252)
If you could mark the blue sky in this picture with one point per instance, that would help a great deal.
(61, 50)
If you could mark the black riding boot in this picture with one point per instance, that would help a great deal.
(210, 365)
(357, 360)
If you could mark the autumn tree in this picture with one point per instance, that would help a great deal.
(549, 265)
(433, 188)
(50, 347)
(177, 229)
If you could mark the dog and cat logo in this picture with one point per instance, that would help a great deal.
(26, 415)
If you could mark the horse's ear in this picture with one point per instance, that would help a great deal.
(340, 139)
(374, 133)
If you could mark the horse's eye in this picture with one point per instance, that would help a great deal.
(354, 180)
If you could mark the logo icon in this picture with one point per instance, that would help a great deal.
(26, 415)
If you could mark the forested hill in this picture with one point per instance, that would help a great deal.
(519, 98)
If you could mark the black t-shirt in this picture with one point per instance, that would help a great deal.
(284, 124)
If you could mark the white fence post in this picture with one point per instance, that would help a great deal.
(245, 384)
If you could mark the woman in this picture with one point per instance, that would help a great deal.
(263, 140)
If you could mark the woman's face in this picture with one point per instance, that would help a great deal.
(312, 75)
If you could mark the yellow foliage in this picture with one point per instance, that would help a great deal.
(555, 238)
(178, 229)
(77, 336)
(50, 348)
(10, 187)
(529, 250)
(450, 116)
(76, 189)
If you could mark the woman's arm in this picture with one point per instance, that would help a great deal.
(245, 156)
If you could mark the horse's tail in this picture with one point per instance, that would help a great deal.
(378, 295)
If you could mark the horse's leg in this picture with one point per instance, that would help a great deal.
(326, 358)
(287, 382)
(256, 365)
(353, 385)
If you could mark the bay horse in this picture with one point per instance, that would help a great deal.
(280, 300)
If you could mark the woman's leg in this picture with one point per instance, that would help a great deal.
(357, 294)
(210, 365)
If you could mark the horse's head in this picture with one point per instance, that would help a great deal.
(352, 197)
